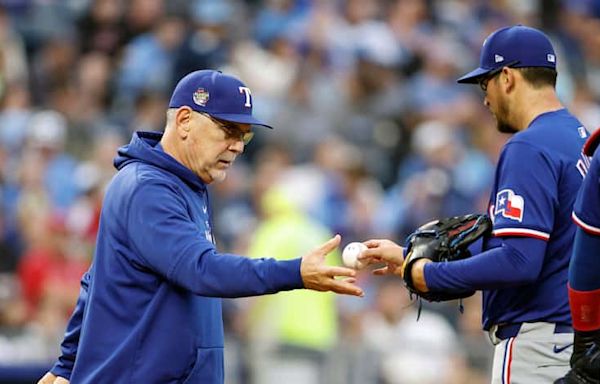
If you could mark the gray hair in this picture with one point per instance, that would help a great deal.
(171, 115)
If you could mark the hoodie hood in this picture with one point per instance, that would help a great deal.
(143, 148)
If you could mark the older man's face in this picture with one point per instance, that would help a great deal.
(212, 146)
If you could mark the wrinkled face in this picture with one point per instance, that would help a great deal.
(495, 100)
(212, 146)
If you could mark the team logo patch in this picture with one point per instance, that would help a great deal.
(201, 96)
(498, 58)
(509, 205)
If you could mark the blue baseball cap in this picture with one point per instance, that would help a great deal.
(518, 47)
(221, 96)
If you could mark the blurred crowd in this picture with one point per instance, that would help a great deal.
(372, 138)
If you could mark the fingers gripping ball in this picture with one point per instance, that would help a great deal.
(350, 255)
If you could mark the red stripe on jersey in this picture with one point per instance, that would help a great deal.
(508, 357)
(521, 233)
(586, 227)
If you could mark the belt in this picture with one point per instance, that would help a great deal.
(505, 331)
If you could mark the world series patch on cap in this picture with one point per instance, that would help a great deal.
(221, 96)
(517, 46)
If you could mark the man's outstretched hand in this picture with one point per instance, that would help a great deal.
(319, 276)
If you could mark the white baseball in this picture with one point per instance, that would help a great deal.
(350, 254)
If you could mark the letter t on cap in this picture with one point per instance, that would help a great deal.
(246, 91)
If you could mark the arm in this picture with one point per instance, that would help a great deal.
(517, 261)
(64, 366)
(503, 266)
(584, 273)
(584, 292)
(169, 242)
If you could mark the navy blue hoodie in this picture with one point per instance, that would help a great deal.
(150, 309)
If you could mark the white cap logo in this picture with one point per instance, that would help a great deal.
(246, 91)
(551, 58)
(498, 58)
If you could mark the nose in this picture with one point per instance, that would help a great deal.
(237, 146)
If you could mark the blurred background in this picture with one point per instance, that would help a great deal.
(373, 138)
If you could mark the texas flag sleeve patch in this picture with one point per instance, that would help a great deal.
(509, 204)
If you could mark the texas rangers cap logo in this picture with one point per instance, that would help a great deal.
(509, 204)
(201, 96)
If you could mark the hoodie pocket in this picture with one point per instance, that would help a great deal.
(208, 368)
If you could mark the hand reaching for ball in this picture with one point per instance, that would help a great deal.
(319, 276)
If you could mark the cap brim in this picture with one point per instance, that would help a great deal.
(240, 118)
(473, 76)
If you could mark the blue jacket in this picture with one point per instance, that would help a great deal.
(150, 309)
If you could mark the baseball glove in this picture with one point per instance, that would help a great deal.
(444, 240)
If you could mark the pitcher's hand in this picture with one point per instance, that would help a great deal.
(383, 251)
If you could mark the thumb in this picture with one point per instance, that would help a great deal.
(61, 380)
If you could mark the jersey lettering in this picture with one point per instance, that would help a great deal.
(246, 91)
(583, 164)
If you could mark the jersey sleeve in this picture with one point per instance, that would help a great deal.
(515, 261)
(526, 194)
(69, 346)
(168, 242)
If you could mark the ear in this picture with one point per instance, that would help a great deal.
(183, 121)
(507, 79)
